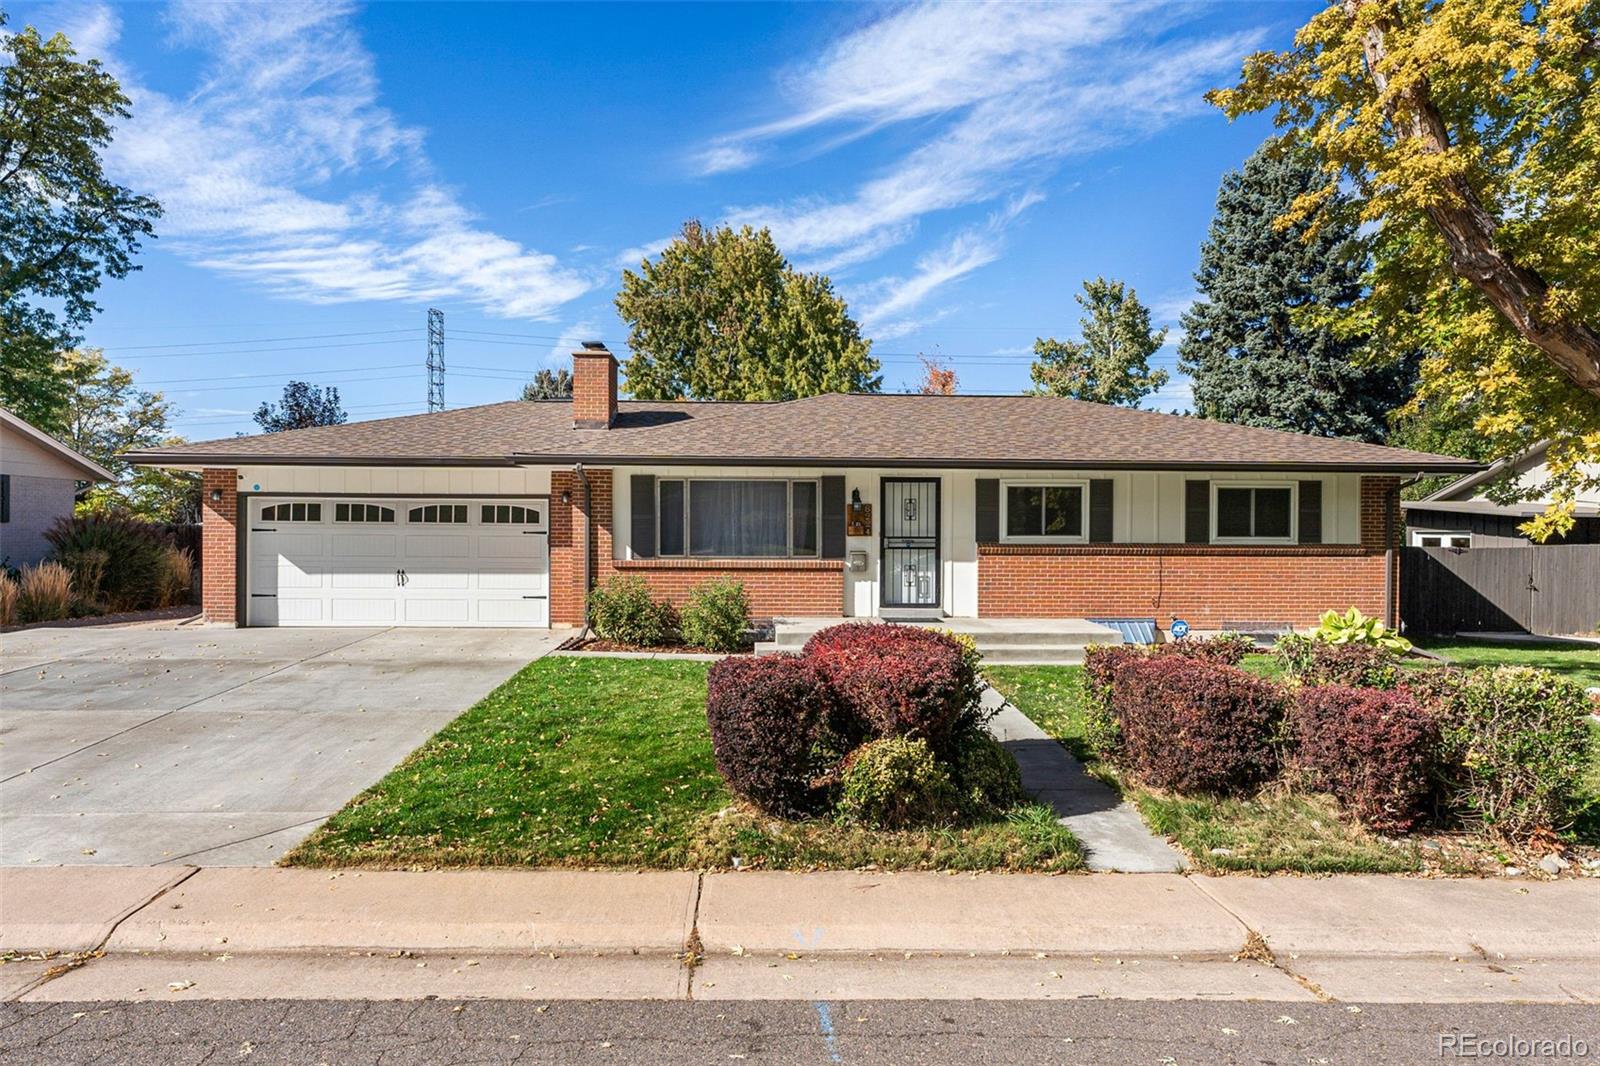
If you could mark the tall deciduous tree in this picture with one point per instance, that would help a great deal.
(1111, 364)
(549, 384)
(64, 226)
(1467, 131)
(1258, 343)
(304, 405)
(107, 416)
(938, 377)
(721, 315)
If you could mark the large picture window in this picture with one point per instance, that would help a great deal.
(726, 518)
(1045, 511)
(1253, 512)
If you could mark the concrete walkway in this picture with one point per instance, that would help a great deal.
(1109, 826)
(170, 935)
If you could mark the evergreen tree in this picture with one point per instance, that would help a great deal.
(1259, 343)
(1111, 364)
(721, 315)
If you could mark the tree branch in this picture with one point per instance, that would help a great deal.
(1470, 231)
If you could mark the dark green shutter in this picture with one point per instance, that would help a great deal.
(644, 516)
(833, 517)
(1197, 512)
(1101, 494)
(1310, 512)
(5, 497)
(987, 510)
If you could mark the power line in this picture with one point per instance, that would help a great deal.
(261, 340)
(260, 351)
(278, 374)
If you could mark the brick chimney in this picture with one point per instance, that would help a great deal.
(594, 386)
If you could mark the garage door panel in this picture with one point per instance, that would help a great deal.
(529, 548)
(292, 610)
(365, 545)
(295, 545)
(291, 576)
(365, 579)
(514, 612)
(439, 612)
(363, 610)
(434, 546)
(433, 576)
(512, 581)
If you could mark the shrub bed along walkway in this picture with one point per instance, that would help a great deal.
(1110, 829)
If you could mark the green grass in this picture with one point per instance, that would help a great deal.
(602, 762)
(1580, 662)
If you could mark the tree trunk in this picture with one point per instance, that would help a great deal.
(1469, 232)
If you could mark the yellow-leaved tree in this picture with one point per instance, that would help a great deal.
(1468, 132)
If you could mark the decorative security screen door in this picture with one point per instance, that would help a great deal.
(910, 555)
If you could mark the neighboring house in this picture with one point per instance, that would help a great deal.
(39, 478)
(1461, 515)
(835, 505)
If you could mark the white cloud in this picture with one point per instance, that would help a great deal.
(1007, 91)
(718, 158)
(283, 166)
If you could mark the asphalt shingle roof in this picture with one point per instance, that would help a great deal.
(835, 429)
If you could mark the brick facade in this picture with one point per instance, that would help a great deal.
(219, 545)
(1209, 586)
(594, 388)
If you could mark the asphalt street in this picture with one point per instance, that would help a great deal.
(446, 1033)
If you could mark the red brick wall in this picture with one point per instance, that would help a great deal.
(218, 545)
(1208, 586)
(566, 541)
(776, 587)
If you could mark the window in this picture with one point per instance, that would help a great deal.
(738, 519)
(1425, 538)
(362, 512)
(1253, 512)
(292, 512)
(509, 514)
(1045, 511)
(5, 497)
(439, 514)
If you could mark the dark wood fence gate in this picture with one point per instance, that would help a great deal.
(1548, 589)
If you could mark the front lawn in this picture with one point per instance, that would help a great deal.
(1277, 830)
(601, 762)
(1578, 661)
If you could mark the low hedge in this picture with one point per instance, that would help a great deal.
(1195, 726)
(1377, 751)
(765, 714)
(1310, 661)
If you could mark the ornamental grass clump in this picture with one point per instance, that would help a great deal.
(44, 593)
(133, 549)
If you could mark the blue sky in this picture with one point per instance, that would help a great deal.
(330, 172)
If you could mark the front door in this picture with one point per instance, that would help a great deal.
(910, 548)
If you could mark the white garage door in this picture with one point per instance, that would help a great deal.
(325, 561)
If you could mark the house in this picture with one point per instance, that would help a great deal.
(1461, 515)
(834, 505)
(39, 478)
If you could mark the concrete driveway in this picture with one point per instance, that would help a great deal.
(218, 747)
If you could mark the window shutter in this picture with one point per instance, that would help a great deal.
(987, 510)
(5, 497)
(1311, 512)
(643, 539)
(833, 517)
(1101, 494)
(1197, 512)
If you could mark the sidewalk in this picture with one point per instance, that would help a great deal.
(281, 933)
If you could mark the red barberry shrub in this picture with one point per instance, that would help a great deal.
(765, 715)
(1377, 751)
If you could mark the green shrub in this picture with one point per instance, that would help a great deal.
(623, 610)
(716, 616)
(1353, 627)
(133, 551)
(44, 594)
(1515, 739)
(894, 783)
(986, 774)
(1313, 661)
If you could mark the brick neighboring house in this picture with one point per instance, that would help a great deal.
(39, 478)
(835, 505)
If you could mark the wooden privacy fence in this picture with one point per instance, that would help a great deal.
(1548, 589)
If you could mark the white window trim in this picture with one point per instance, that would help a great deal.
(1294, 511)
(688, 481)
(1028, 483)
(1415, 537)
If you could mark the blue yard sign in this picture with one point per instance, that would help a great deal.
(1180, 629)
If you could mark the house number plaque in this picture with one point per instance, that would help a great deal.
(858, 519)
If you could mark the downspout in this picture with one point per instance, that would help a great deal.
(588, 546)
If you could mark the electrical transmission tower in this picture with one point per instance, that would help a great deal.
(435, 360)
